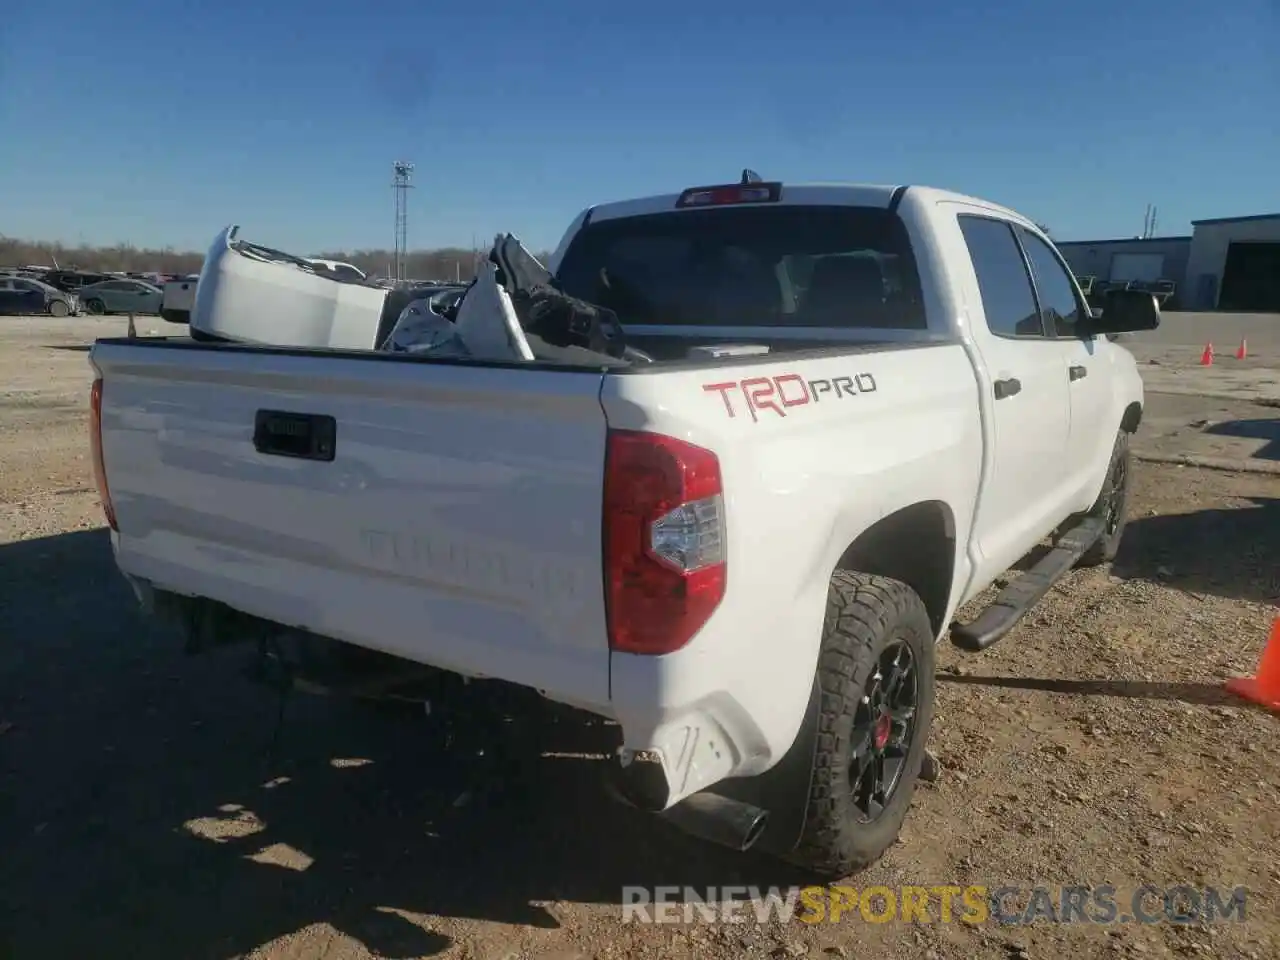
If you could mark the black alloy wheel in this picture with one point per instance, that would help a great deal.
(882, 731)
(1117, 484)
(1112, 506)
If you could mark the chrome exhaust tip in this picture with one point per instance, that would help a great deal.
(720, 820)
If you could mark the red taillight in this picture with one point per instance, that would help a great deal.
(95, 442)
(664, 548)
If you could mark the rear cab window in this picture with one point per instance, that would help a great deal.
(750, 265)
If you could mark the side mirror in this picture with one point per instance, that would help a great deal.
(1124, 311)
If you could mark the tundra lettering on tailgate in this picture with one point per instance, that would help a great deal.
(787, 390)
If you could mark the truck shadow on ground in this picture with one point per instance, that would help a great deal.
(1267, 429)
(147, 809)
(1232, 553)
(1203, 694)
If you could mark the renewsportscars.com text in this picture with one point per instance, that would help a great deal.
(944, 903)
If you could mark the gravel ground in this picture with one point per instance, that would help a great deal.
(146, 810)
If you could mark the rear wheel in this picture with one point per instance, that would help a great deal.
(58, 308)
(1112, 505)
(95, 306)
(876, 674)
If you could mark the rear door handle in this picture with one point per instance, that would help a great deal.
(1008, 388)
(1078, 372)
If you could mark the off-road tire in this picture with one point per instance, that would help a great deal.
(1120, 466)
(865, 615)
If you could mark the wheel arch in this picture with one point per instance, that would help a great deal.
(1132, 417)
(915, 544)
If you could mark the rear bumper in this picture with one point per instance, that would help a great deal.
(693, 771)
(376, 614)
(698, 774)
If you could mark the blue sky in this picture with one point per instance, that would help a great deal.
(159, 122)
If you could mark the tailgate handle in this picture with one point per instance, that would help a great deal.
(306, 436)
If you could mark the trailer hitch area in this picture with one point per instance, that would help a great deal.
(202, 624)
(309, 663)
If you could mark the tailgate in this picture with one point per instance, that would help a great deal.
(454, 519)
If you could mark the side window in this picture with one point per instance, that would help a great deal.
(1007, 298)
(1058, 300)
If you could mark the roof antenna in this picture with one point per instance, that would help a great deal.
(750, 176)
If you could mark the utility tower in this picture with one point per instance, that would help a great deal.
(1149, 223)
(400, 185)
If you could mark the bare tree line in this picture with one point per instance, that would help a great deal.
(444, 264)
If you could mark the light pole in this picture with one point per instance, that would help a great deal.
(403, 173)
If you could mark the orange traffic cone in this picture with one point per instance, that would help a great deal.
(1243, 351)
(1264, 686)
(1206, 358)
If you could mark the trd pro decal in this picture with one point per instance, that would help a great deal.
(780, 393)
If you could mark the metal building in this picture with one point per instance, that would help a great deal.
(1147, 260)
(1229, 263)
(1235, 264)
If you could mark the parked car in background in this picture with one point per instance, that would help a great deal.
(26, 272)
(1164, 291)
(24, 295)
(121, 296)
(71, 281)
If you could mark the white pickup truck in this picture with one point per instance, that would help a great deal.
(863, 405)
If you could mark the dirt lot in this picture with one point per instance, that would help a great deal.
(145, 813)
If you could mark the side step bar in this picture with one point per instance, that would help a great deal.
(1026, 591)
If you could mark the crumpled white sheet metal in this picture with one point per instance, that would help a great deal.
(420, 330)
(486, 325)
(487, 321)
